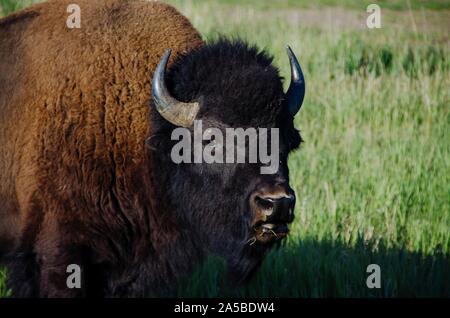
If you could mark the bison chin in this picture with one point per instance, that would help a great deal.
(245, 259)
(244, 264)
(244, 253)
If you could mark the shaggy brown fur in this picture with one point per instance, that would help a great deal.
(74, 109)
(86, 175)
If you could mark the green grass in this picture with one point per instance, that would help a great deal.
(9, 6)
(373, 176)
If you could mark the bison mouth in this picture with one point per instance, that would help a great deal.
(268, 232)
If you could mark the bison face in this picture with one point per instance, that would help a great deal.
(232, 207)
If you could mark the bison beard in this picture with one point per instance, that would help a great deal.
(85, 171)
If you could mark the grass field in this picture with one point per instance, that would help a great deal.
(373, 176)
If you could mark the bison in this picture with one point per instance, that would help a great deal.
(86, 177)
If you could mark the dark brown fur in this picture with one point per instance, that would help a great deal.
(73, 122)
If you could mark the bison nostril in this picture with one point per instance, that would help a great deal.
(266, 204)
(276, 209)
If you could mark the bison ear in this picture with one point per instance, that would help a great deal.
(176, 112)
(296, 91)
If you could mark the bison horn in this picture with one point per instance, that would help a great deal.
(296, 91)
(176, 112)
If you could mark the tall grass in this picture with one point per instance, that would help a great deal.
(373, 176)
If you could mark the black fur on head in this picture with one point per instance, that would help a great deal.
(237, 86)
(237, 83)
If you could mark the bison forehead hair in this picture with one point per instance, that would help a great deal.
(237, 83)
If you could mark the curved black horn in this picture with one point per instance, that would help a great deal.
(176, 112)
(296, 91)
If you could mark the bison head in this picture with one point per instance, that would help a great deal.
(230, 208)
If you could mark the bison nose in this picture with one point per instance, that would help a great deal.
(276, 209)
